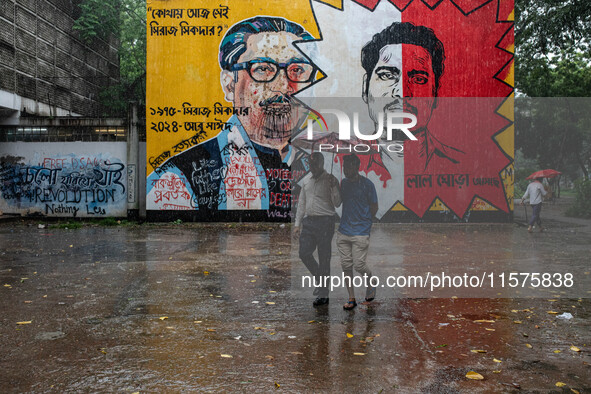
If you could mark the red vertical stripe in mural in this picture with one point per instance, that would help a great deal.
(456, 158)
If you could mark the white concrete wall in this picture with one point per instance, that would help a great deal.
(64, 179)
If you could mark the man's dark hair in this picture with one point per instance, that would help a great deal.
(404, 33)
(234, 42)
(353, 160)
(318, 156)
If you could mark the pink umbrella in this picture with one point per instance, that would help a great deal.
(544, 174)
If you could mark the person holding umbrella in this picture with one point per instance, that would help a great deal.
(535, 191)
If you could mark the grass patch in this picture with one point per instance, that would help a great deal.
(69, 225)
(109, 222)
(568, 193)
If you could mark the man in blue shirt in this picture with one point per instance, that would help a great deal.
(360, 204)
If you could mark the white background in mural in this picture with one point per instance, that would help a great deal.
(338, 55)
(48, 179)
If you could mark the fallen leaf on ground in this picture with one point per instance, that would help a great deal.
(528, 346)
(575, 349)
(226, 355)
(474, 375)
(270, 303)
(556, 351)
(517, 322)
(560, 384)
(497, 371)
(478, 351)
(489, 329)
(575, 391)
(163, 318)
(484, 321)
(496, 360)
(20, 323)
(299, 353)
(359, 354)
(552, 312)
(277, 385)
(210, 329)
(349, 335)
(312, 321)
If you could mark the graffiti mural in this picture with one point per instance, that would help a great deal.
(235, 86)
(63, 185)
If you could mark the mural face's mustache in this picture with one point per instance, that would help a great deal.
(277, 117)
(277, 99)
(394, 106)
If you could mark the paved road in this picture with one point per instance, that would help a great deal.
(190, 307)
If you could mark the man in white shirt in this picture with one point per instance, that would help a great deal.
(315, 221)
(535, 191)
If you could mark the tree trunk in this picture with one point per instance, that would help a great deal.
(582, 165)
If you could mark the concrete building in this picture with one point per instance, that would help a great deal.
(45, 69)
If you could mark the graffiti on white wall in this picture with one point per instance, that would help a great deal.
(44, 180)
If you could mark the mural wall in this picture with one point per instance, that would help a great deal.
(234, 85)
(47, 179)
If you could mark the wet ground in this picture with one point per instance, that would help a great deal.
(180, 308)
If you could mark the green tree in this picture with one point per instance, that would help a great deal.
(553, 59)
(549, 33)
(125, 21)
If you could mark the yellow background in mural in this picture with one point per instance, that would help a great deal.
(185, 68)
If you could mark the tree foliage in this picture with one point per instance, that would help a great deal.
(548, 34)
(582, 205)
(553, 59)
(125, 21)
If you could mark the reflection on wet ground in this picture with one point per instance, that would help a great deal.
(183, 308)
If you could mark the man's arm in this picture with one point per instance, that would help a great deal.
(301, 210)
(525, 195)
(335, 192)
(543, 190)
(373, 209)
(373, 199)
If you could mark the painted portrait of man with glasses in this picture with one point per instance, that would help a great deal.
(246, 166)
